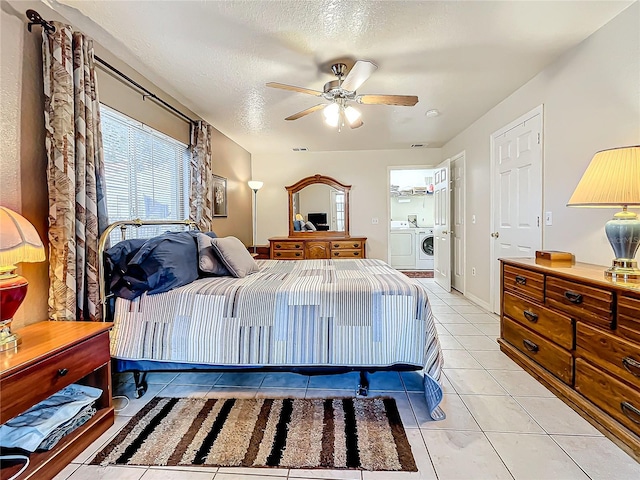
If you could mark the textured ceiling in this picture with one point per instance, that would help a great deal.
(461, 58)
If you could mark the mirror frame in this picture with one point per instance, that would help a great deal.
(312, 180)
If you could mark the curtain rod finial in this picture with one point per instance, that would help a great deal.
(35, 19)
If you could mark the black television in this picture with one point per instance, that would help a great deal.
(318, 219)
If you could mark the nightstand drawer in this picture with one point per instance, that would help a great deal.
(346, 244)
(611, 353)
(40, 380)
(346, 253)
(547, 354)
(617, 399)
(547, 323)
(288, 254)
(524, 282)
(583, 302)
(288, 245)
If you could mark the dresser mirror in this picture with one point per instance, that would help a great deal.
(318, 206)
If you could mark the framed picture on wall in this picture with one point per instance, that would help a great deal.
(219, 196)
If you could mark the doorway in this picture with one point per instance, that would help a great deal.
(411, 215)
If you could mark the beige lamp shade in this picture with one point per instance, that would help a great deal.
(19, 240)
(612, 179)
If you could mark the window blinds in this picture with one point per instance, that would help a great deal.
(146, 173)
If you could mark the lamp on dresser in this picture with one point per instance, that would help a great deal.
(612, 180)
(19, 242)
(255, 185)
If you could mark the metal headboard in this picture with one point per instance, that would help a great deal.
(123, 225)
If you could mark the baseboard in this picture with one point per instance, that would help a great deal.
(478, 301)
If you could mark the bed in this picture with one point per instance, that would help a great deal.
(307, 316)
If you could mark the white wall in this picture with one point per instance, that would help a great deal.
(591, 98)
(366, 171)
(421, 205)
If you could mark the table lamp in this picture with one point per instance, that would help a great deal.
(255, 185)
(612, 180)
(19, 242)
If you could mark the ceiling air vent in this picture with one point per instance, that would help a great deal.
(300, 149)
(419, 145)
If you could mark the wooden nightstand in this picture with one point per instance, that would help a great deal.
(51, 356)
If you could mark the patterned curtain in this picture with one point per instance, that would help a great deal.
(201, 208)
(77, 203)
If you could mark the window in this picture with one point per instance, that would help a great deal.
(146, 173)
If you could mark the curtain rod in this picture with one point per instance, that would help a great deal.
(35, 19)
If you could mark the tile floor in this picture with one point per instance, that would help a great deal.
(501, 423)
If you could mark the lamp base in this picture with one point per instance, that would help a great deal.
(624, 270)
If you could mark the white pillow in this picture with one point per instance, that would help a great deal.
(235, 256)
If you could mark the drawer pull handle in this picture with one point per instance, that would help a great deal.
(356, 253)
(532, 317)
(520, 280)
(573, 297)
(278, 245)
(297, 254)
(335, 245)
(336, 254)
(529, 345)
(62, 372)
(297, 246)
(627, 408)
(630, 365)
(356, 245)
(278, 254)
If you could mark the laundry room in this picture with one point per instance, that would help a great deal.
(412, 217)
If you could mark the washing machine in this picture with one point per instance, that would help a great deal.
(424, 248)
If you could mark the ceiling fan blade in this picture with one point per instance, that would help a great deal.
(292, 88)
(401, 100)
(357, 124)
(298, 115)
(358, 74)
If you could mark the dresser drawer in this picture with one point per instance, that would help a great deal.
(44, 378)
(524, 282)
(288, 245)
(549, 324)
(346, 253)
(346, 244)
(583, 302)
(611, 353)
(614, 397)
(547, 354)
(288, 254)
(629, 317)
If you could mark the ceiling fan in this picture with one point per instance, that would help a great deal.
(342, 91)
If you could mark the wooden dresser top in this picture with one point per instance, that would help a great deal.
(593, 274)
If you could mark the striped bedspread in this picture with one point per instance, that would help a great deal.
(291, 313)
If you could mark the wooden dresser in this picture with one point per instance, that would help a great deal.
(316, 247)
(579, 334)
(53, 355)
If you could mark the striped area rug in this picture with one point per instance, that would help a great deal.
(344, 433)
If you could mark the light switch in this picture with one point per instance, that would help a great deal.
(473, 219)
(548, 218)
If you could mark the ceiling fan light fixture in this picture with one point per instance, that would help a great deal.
(332, 114)
(352, 114)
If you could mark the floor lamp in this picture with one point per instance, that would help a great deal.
(255, 186)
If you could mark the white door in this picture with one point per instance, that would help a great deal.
(457, 228)
(517, 193)
(442, 225)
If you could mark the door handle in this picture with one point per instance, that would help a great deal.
(444, 232)
(495, 234)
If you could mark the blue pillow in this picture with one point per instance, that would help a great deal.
(117, 266)
(165, 262)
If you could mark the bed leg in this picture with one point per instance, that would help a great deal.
(140, 379)
(363, 385)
